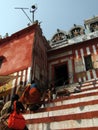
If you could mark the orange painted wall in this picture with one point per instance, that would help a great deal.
(18, 53)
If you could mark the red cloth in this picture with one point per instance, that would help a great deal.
(16, 120)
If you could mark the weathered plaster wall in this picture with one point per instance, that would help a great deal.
(18, 54)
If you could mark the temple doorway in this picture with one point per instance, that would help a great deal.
(61, 75)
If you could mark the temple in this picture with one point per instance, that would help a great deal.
(67, 60)
(68, 57)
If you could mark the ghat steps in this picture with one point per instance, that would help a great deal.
(79, 111)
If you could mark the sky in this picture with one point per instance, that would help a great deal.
(52, 14)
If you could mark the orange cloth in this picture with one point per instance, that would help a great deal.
(30, 96)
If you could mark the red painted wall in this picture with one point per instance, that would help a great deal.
(18, 53)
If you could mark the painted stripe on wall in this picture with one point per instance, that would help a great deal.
(28, 75)
(88, 50)
(94, 49)
(21, 76)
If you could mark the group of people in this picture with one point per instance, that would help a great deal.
(8, 109)
(30, 95)
(26, 96)
(52, 93)
(49, 94)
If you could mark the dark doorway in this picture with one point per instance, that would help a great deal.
(61, 75)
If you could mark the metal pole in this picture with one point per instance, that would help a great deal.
(25, 13)
(33, 16)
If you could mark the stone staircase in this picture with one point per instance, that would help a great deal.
(79, 111)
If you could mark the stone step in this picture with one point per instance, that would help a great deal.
(86, 96)
(81, 107)
(74, 98)
(85, 111)
(79, 120)
(79, 111)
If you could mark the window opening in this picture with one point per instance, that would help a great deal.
(1, 60)
(88, 62)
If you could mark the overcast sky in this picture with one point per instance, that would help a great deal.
(53, 14)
